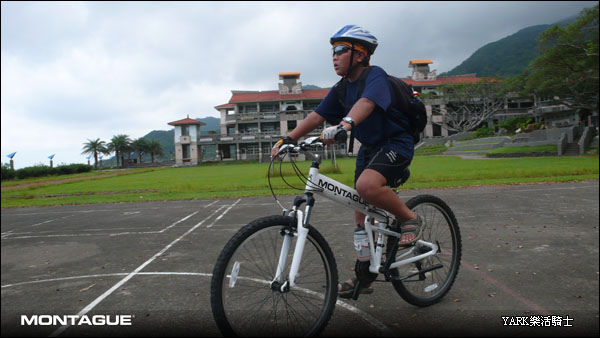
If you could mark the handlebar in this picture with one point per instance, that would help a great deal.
(300, 147)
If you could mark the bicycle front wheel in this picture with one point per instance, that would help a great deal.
(244, 300)
(425, 287)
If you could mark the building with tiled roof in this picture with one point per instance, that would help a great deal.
(187, 132)
(253, 120)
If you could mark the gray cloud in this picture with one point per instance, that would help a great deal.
(78, 70)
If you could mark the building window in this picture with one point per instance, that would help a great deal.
(251, 128)
(291, 124)
(437, 129)
(311, 105)
(249, 109)
(269, 108)
(270, 128)
(185, 130)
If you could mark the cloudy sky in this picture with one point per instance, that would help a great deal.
(73, 71)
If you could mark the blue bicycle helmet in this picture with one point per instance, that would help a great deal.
(356, 34)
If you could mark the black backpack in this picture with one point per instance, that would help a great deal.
(402, 99)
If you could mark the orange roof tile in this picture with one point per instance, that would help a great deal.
(289, 74)
(419, 61)
(274, 95)
(187, 120)
(226, 105)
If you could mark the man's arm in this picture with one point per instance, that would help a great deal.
(307, 125)
(312, 121)
(360, 111)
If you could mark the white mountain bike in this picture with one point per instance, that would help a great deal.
(277, 276)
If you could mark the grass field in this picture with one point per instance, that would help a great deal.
(250, 179)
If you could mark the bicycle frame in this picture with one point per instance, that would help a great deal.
(340, 193)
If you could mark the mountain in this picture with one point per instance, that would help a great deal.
(212, 123)
(508, 56)
(505, 57)
(310, 87)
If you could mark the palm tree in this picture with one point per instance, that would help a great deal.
(141, 146)
(119, 144)
(94, 147)
(155, 148)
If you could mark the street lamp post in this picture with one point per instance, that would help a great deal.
(12, 163)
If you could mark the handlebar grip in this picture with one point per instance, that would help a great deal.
(341, 136)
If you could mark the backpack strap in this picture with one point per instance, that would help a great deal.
(340, 89)
(341, 86)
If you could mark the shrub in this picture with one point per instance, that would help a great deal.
(42, 170)
(35, 171)
(514, 123)
(484, 131)
(7, 172)
(73, 169)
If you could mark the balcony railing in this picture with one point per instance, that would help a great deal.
(267, 116)
(256, 137)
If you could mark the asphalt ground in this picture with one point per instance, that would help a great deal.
(529, 257)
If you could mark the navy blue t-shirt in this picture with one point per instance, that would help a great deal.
(376, 130)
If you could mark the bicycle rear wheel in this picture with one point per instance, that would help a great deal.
(427, 288)
(243, 301)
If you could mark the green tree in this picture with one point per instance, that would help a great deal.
(568, 65)
(119, 144)
(155, 148)
(94, 147)
(468, 105)
(140, 146)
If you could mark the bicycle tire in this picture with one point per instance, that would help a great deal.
(302, 311)
(428, 288)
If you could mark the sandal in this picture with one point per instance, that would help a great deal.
(413, 226)
(346, 289)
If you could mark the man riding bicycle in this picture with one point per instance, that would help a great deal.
(387, 148)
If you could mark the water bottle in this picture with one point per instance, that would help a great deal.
(361, 244)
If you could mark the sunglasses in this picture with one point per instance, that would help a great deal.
(340, 49)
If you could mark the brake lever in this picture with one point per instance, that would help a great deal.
(286, 148)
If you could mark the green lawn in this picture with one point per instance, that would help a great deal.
(250, 179)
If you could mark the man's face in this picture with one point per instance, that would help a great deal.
(341, 59)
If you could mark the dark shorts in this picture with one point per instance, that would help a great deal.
(385, 160)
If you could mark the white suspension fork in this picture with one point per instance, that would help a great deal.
(285, 248)
(300, 241)
(302, 234)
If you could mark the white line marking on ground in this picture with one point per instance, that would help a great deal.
(44, 222)
(110, 234)
(106, 275)
(97, 301)
(211, 204)
(223, 214)
(360, 313)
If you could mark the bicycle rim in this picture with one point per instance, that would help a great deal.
(247, 305)
(427, 288)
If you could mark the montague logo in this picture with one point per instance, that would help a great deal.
(75, 320)
(342, 192)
